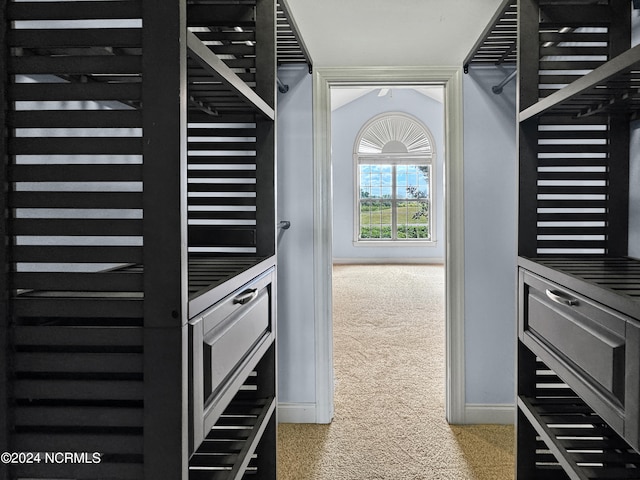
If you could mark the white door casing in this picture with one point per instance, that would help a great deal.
(450, 78)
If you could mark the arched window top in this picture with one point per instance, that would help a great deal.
(394, 134)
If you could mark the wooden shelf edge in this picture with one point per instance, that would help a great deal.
(244, 457)
(205, 298)
(600, 293)
(212, 64)
(577, 381)
(283, 6)
(224, 397)
(570, 467)
(601, 74)
(497, 16)
(237, 461)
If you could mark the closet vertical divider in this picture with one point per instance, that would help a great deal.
(4, 253)
(266, 129)
(164, 110)
(527, 65)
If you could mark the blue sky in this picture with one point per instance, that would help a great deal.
(378, 180)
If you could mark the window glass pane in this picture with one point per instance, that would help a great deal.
(402, 171)
(375, 219)
(394, 195)
(413, 220)
(403, 212)
(424, 174)
(386, 181)
(377, 178)
(424, 178)
(365, 176)
(417, 186)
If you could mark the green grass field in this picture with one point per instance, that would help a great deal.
(382, 216)
(375, 221)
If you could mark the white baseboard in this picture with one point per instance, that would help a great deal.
(297, 413)
(502, 414)
(476, 413)
(388, 261)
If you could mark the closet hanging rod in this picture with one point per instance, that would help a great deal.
(282, 88)
(497, 89)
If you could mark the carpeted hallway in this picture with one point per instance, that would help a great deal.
(389, 400)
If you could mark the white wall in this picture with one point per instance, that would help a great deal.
(346, 123)
(490, 189)
(296, 351)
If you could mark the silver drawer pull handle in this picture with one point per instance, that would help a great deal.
(246, 296)
(560, 298)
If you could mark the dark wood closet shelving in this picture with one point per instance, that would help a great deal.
(611, 280)
(208, 276)
(570, 437)
(228, 449)
(577, 313)
(497, 45)
(290, 45)
(578, 360)
(612, 88)
(229, 94)
(232, 447)
(139, 248)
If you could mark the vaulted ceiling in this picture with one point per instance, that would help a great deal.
(390, 32)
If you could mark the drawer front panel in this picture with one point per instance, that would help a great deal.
(231, 340)
(582, 341)
(227, 340)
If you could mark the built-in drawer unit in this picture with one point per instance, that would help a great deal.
(591, 347)
(227, 342)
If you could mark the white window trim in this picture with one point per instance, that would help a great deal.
(394, 159)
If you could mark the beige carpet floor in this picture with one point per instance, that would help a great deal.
(389, 401)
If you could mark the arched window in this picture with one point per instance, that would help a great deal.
(394, 155)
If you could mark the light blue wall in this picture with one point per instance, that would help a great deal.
(490, 210)
(346, 123)
(490, 237)
(296, 340)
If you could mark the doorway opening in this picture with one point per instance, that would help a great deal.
(449, 82)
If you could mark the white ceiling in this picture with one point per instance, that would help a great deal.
(390, 32)
(340, 96)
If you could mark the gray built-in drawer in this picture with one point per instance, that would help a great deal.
(227, 341)
(591, 347)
